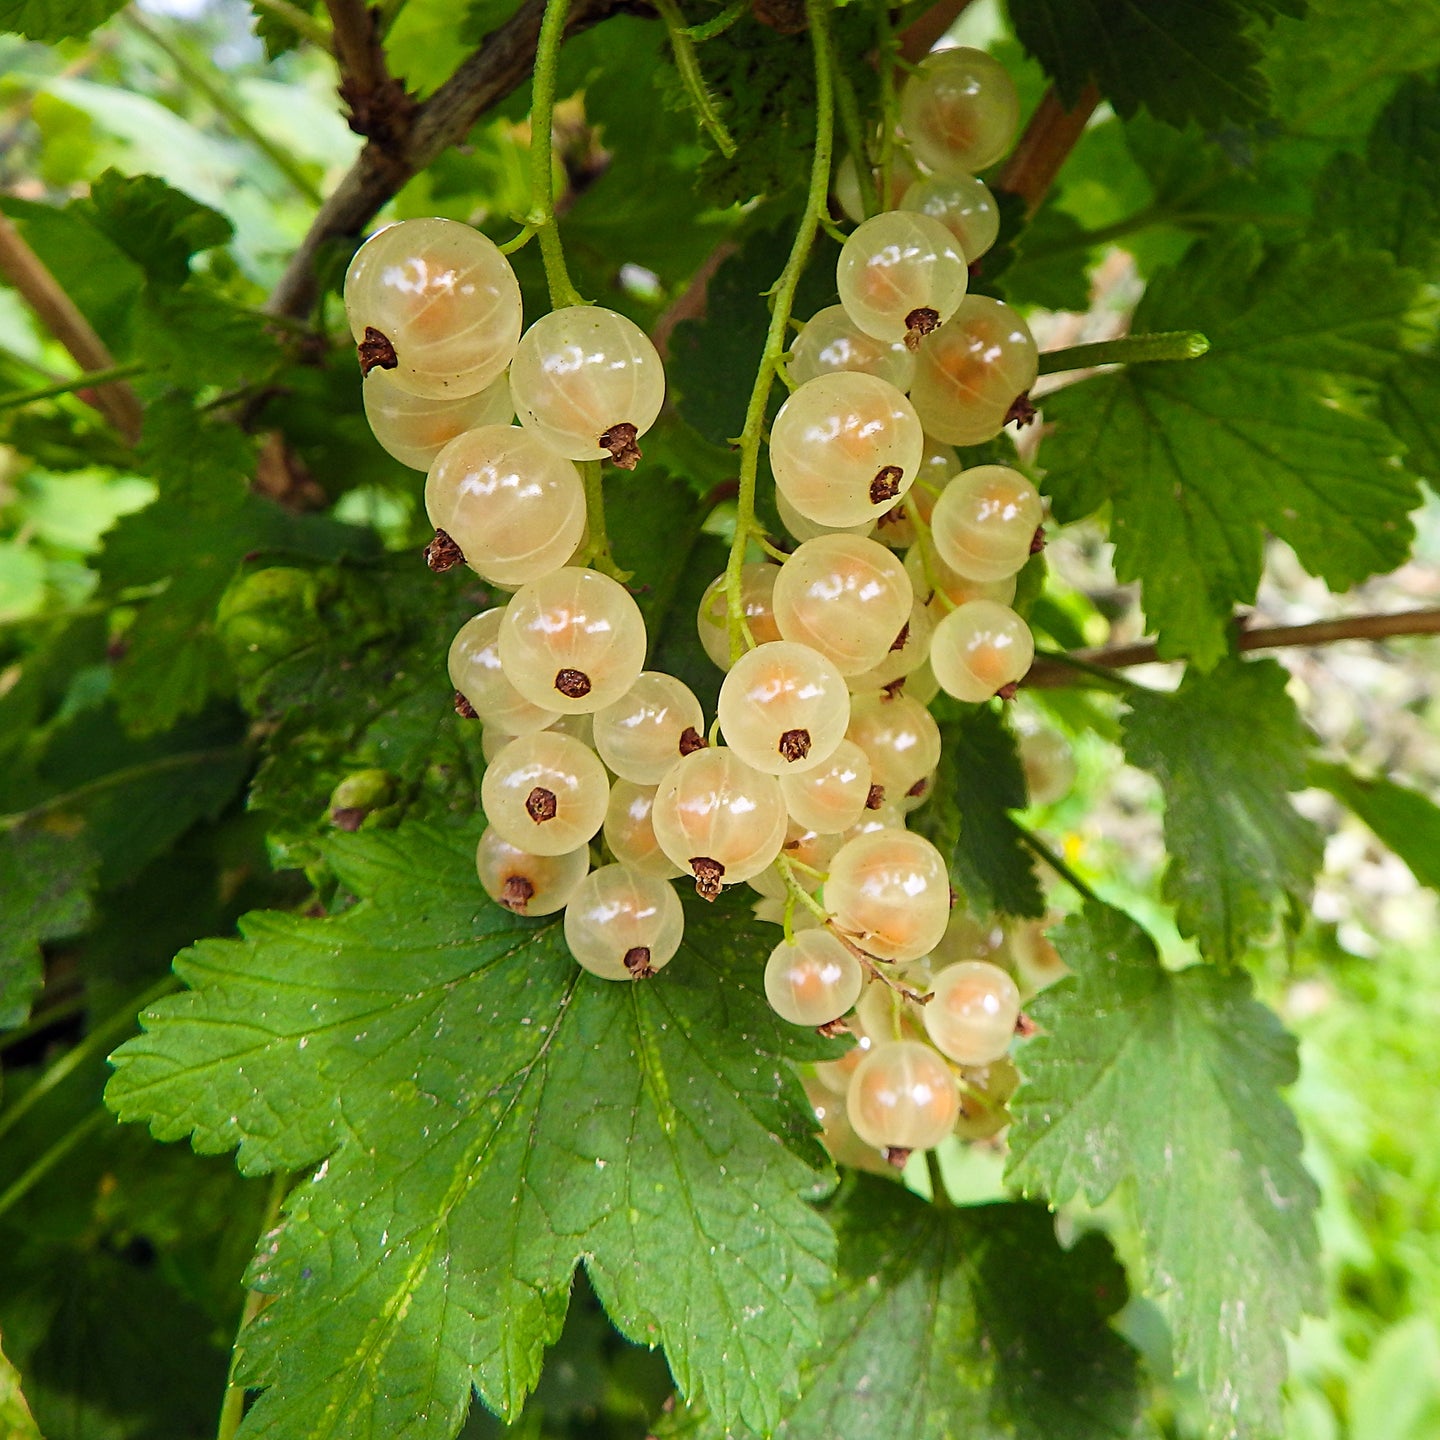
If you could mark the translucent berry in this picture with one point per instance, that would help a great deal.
(927, 572)
(979, 649)
(545, 793)
(963, 205)
(833, 796)
(416, 428)
(718, 818)
(630, 834)
(900, 276)
(783, 708)
(807, 853)
(1037, 961)
(967, 937)
(831, 342)
(959, 111)
(895, 528)
(985, 520)
(526, 883)
(813, 979)
(972, 1012)
(903, 658)
(847, 185)
(623, 926)
(802, 529)
(588, 382)
(516, 509)
(889, 891)
(1049, 764)
(902, 1096)
(902, 741)
(845, 596)
(441, 299)
(649, 728)
(573, 641)
(757, 588)
(984, 1100)
(972, 370)
(845, 447)
(477, 674)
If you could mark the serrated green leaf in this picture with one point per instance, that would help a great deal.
(1407, 821)
(158, 227)
(52, 20)
(46, 879)
(1410, 405)
(1181, 61)
(191, 337)
(1199, 459)
(928, 1335)
(1171, 1081)
(1228, 748)
(978, 782)
(487, 1115)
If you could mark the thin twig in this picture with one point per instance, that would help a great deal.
(1054, 674)
(919, 39)
(1048, 139)
(59, 314)
(380, 109)
(16, 399)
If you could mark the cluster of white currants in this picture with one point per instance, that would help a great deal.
(831, 658)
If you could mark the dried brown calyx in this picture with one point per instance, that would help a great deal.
(898, 643)
(708, 876)
(540, 805)
(1021, 411)
(1009, 692)
(886, 484)
(876, 798)
(464, 709)
(516, 893)
(619, 441)
(894, 688)
(918, 324)
(376, 350)
(692, 740)
(832, 1028)
(896, 1155)
(1037, 540)
(637, 962)
(918, 789)
(573, 684)
(443, 554)
(1025, 1027)
(795, 745)
(348, 818)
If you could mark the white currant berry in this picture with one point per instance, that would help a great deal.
(588, 382)
(719, 819)
(979, 649)
(783, 708)
(902, 659)
(833, 796)
(655, 722)
(845, 447)
(477, 673)
(963, 205)
(847, 597)
(414, 429)
(902, 741)
(623, 926)
(972, 1012)
(573, 641)
(960, 111)
(545, 793)
(1049, 765)
(813, 979)
(712, 622)
(630, 834)
(802, 529)
(928, 572)
(514, 508)
(525, 883)
(895, 528)
(889, 891)
(972, 370)
(434, 303)
(900, 276)
(902, 1097)
(847, 184)
(985, 521)
(806, 853)
(831, 342)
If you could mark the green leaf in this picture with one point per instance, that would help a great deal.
(978, 782)
(191, 337)
(1404, 819)
(51, 20)
(46, 877)
(487, 1115)
(1227, 748)
(1198, 460)
(1410, 405)
(158, 227)
(1181, 61)
(1171, 1081)
(929, 1332)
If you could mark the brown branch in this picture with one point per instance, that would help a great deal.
(380, 109)
(501, 64)
(1051, 674)
(1049, 137)
(917, 40)
(62, 318)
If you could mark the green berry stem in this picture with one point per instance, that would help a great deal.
(541, 218)
(1053, 860)
(927, 551)
(682, 47)
(849, 111)
(18, 398)
(939, 1195)
(597, 550)
(818, 12)
(795, 892)
(1127, 350)
(720, 24)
